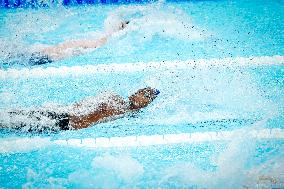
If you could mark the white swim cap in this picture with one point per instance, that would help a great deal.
(113, 23)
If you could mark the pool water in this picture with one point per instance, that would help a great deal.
(218, 65)
(174, 31)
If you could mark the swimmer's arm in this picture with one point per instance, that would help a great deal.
(60, 51)
(83, 43)
(103, 113)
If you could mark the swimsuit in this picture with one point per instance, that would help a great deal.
(62, 120)
(38, 58)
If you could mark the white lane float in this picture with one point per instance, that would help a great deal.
(26, 144)
(64, 71)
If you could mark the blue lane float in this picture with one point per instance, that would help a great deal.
(47, 3)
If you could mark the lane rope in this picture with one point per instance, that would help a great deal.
(25, 144)
(64, 71)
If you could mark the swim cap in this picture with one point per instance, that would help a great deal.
(113, 23)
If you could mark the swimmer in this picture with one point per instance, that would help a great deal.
(69, 48)
(105, 107)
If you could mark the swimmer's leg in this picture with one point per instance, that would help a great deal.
(61, 120)
(38, 58)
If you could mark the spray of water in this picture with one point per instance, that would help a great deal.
(189, 89)
(150, 20)
(232, 168)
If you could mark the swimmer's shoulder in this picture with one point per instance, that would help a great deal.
(103, 99)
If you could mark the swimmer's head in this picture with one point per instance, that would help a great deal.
(142, 98)
(114, 23)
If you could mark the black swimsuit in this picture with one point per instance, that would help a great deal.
(62, 120)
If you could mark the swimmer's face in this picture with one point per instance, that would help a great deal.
(123, 25)
(143, 97)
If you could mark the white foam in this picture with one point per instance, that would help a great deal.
(156, 19)
(26, 144)
(14, 145)
(124, 165)
(64, 71)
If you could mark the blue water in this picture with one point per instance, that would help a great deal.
(235, 28)
(194, 99)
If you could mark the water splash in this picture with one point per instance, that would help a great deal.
(109, 171)
(232, 168)
(150, 20)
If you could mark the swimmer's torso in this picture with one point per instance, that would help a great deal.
(97, 109)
